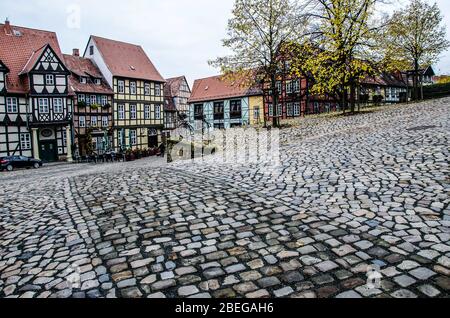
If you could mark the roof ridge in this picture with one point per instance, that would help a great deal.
(33, 29)
(117, 41)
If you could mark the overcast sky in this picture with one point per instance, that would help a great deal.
(179, 36)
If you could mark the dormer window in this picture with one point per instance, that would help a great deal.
(83, 80)
(97, 81)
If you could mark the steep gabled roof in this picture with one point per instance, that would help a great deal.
(80, 66)
(19, 48)
(173, 85)
(127, 60)
(218, 87)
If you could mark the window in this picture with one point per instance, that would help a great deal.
(235, 109)
(57, 105)
(218, 111)
(256, 113)
(296, 86)
(93, 99)
(289, 87)
(104, 100)
(83, 80)
(91, 50)
(279, 87)
(146, 111)
(270, 106)
(121, 87)
(11, 105)
(81, 98)
(43, 105)
(94, 121)
(198, 111)
(25, 141)
(64, 139)
(121, 111)
(133, 137)
(97, 81)
(157, 111)
(82, 121)
(157, 90)
(279, 110)
(290, 110)
(105, 121)
(133, 112)
(49, 79)
(296, 109)
(133, 88)
(147, 89)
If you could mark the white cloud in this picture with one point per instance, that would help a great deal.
(179, 36)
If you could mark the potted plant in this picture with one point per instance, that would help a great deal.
(95, 106)
(107, 106)
(82, 104)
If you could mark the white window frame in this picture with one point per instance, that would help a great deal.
(157, 112)
(58, 106)
(49, 79)
(270, 106)
(81, 98)
(105, 121)
(133, 112)
(121, 87)
(93, 99)
(133, 88)
(43, 107)
(94, 121)
(289, 87)
(147, 89)
(83, 80)
(104, 100)
(147, 112)
(297, 109)
(290, 109)
(82, 122)
(97, 81)
(157, 90)
(12, 105)
(280, 110)
(25, 141)
(121, 111)
(256, 113)
(296, 86)
(133, 137)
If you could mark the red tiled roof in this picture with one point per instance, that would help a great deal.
(80, 66)
(18, 51)
(172, 90)
(122, 57)
(217, 87)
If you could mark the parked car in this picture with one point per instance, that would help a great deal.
(10, 163)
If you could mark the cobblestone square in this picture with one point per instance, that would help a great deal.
(359, 207)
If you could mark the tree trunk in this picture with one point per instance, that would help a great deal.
(352, 97)
(416, 80)
(275, 120)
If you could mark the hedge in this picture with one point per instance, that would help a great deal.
(436, 91)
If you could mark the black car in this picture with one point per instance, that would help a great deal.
(9, 163)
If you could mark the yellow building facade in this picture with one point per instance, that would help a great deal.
(256, 110)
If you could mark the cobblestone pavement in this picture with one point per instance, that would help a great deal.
(351, 195)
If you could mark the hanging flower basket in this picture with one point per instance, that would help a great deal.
(95, 106)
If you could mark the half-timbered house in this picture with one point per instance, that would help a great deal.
(176, 96)
(218, 103)
(35, 111)
(92, 106)
(138, 92)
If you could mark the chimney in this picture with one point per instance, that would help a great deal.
(76, 52)
(8, 29)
